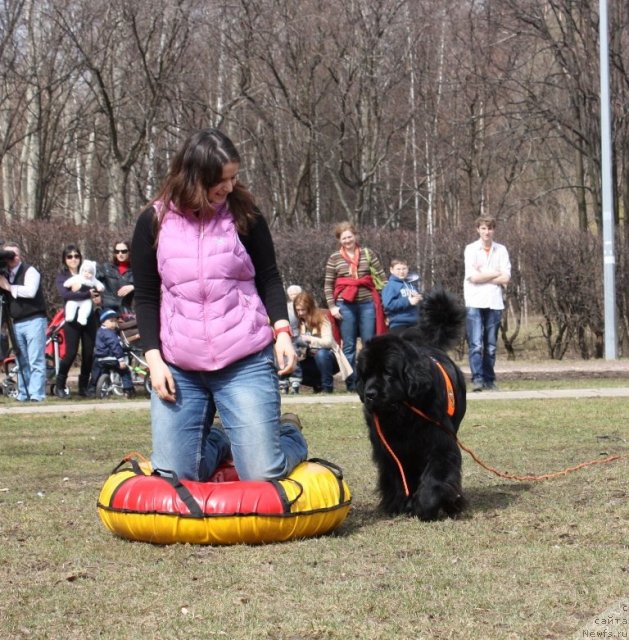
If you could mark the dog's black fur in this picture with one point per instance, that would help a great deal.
(395, 369)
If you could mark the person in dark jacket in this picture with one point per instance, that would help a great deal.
(117, 277)
(108, 352)
(75, 333)
(27, 308)
(400, 297)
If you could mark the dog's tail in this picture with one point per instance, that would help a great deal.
(441, 319)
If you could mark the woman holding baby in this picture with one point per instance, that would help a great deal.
(76, 290)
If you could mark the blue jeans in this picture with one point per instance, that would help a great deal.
(482, 335)
(246, 395)
(359, 319)
(30, 336)
(319, 369)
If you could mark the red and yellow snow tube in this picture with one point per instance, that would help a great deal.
(137, 504)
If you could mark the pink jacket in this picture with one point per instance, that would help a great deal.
(211, 313)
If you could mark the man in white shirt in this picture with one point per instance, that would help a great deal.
(27, 309)
(487, 271)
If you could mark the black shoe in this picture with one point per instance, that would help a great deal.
(62, 392)
(292, 419)
(129, 393)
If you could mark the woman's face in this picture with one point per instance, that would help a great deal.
(301, 311)
(219, 192)
(73, 260)
(348, 240)
(121, 251)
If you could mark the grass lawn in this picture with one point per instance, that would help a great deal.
(528, 560)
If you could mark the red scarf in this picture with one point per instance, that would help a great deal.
(347, 288)
(123, 267)
(352, 262)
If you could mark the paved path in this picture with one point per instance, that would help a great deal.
(548, 369)
(82, 406)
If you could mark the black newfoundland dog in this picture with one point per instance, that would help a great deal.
(414, 401)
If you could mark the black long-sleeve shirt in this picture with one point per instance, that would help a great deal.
(259, 245)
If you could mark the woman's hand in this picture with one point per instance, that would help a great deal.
(125, 290)
(285, 354)
(162, 379)
(336, 312)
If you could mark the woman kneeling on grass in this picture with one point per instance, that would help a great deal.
(206, 284)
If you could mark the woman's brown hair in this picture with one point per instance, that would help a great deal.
(314, 316)
(195, 169)
(341, 227)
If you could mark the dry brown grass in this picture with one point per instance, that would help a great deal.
(526, 561)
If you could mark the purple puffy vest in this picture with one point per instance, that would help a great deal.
(211, 313)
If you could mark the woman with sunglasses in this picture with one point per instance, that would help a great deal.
(117, 277)
(75, 333)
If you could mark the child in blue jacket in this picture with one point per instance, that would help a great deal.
(108, 352)
(400, 297)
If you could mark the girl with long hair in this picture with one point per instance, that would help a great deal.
(206, 287)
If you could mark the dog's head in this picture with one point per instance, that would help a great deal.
(391, 371)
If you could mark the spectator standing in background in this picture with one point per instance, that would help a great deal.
(27, 308)
(75, 333)
(117, 277)
(351, 293)
(400, 297)
(487, 272)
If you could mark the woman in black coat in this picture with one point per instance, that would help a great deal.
(118, 279)
(75, 332)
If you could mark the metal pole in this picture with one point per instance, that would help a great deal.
(609, 260)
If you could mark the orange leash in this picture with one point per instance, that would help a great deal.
(509, 476)
(392, 453)
(450, 408)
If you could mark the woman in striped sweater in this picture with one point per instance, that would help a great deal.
(351, 293)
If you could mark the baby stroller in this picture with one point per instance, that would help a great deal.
(109, 383)
(55, 351)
